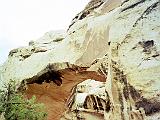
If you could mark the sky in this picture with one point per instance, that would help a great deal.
(24, 20)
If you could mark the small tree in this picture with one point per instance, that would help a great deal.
(16, 107)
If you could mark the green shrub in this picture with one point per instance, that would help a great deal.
(16, 107)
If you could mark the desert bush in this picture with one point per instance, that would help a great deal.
(15, 107)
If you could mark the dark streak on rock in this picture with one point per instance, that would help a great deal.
(100, 71)
(99, 103)
(25, 56)
(147, 44)
(121, 78)
(13, 52)
(95, 61)
(85, 103)
(133, 5)
(134, 93)
(156, 55)
(108, 106)
(132, 117)
(121, 103)
(94, 103)
(108, 103)
(150, 106)
(104, 69)
(70, 25)
(58, 40)
(109, 43)
(120, 75)
(88, 9)
(84, 14)
(127, 89)
(146, 12)
(71, 101)
(124, 2)
(126, 92)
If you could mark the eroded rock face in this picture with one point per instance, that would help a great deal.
(88, 100)
(133, 59)
(133, 75)
(119, 41)
(55, 97)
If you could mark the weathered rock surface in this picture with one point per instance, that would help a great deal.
(134, 64)
(86, 99)
(55, 97)
(117, 41)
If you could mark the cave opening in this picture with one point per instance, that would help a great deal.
(48, 77)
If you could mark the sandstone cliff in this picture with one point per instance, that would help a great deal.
(116, 41)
